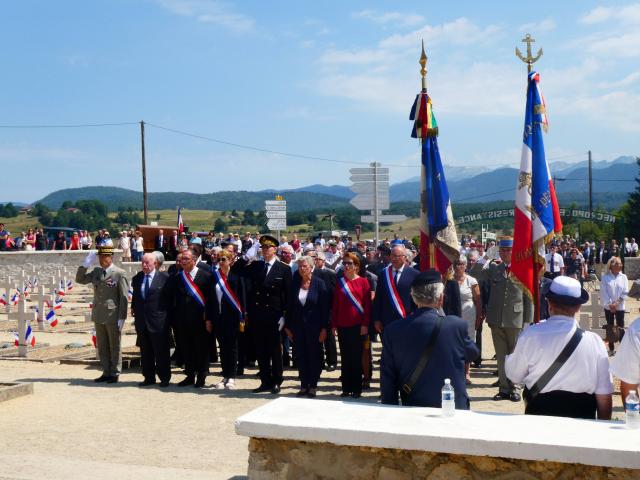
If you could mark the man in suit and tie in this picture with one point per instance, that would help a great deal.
(330, 279)
(191, 292)
(109, 312)
(508, 310)
(602, 256)
(393, 298)
(172, 246)
(150, 306)
(160, 243)
(404, 345)
(269, 283)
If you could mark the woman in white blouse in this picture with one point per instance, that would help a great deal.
(614, 287)
(471, 304)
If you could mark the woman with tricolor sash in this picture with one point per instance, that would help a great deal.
(350, 316)
(228, 316)
(306, 324)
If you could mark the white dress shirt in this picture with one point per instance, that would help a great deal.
(612, 289)
(270, 264)
(193, 272)
(585, 371)
(626, 364)
(558, 263)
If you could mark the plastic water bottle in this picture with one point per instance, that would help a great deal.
(449, 402)
(632, 410)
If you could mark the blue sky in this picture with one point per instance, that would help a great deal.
(324, 79)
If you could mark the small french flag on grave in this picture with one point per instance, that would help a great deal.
(16, 339)
(57, 305)
(130, 294)
(69, 285)
(15, 299)
(51, 318)
(3, 299)
(90, 304)
(30, 337)
(94, 340)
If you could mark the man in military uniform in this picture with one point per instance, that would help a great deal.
(270, 283)
(507, 309)
(110, 290)
(405, 343)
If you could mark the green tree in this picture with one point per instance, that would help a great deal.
(631, 209)
(220, 225)
(8, 210)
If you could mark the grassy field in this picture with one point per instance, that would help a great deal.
(20, 223)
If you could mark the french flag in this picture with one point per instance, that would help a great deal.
(3, 299)
(51, 318)
(69, 285)
(537, 216)
(94, 340)
(30, 339)
(180, 224)
(15, 299)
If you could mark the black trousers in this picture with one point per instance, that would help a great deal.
(195, 345)
(330, 349)
(618, 316)
(178, 358)
(154, 353)
(227, 332)
(213, 347)
(266, 337)
(478, 361)
(351, 359)
(306, 338)
(560, 403)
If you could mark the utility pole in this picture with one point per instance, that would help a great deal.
(590, 188)
(144, 177)
(376, 211)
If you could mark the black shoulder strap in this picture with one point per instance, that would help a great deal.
(557, 364)
(407, 387)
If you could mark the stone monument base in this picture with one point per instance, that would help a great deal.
(9, 391)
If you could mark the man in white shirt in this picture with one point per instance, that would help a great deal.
(554, 264)
(626, 364)
(582, 386)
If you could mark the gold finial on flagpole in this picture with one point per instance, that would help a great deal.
(529, 59)
(423, 70)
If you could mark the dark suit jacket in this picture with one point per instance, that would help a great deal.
(403, 344)
(268, 296)
(452, 304)
(383, 309)
(160, 246)
(187, 310)
(226, 312)
(606, 255)
(315, 312)
(152, 312)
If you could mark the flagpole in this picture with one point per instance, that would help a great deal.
(530, 59)
(431, 249)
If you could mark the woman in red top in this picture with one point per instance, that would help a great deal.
(350, 315)
(75, 242)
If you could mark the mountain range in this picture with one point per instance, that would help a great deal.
(612, 182)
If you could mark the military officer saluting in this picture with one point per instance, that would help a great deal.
(269, 283)
(508, 309)
(110, 289)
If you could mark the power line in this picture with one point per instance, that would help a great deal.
(79, 125)
(485, 194)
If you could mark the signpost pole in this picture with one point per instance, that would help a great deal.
(376, 211)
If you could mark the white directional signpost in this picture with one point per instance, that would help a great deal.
(276, 211)
(372, 187)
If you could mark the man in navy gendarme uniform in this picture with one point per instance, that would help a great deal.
(405, 341)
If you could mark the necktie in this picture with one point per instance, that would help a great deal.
(507, 269)
(553, 263)
(146, 287)
(395, 276)
(266, 268)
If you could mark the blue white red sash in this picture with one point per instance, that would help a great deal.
(347, 291)
(392, 290)
(227, 292)
(192, 288)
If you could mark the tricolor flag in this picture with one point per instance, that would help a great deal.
(439, 245)
(3, 299)
(90, 304)
(94, 340)
(15, 298)
(129, 294)
(537, 216)
(69, 285)
(30, 339)
(180, 224)
(51, 318)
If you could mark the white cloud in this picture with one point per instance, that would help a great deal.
(628, 81)
(545, 25)
(458, 32)
(385, 18)
(629, 14)
(618, 109)
(210, 11)
(617, 45)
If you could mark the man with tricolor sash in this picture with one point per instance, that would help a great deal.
(393, 292)
(192, 289)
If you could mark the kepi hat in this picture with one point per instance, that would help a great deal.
(426, 278)
(268, 241)
(505, 242)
